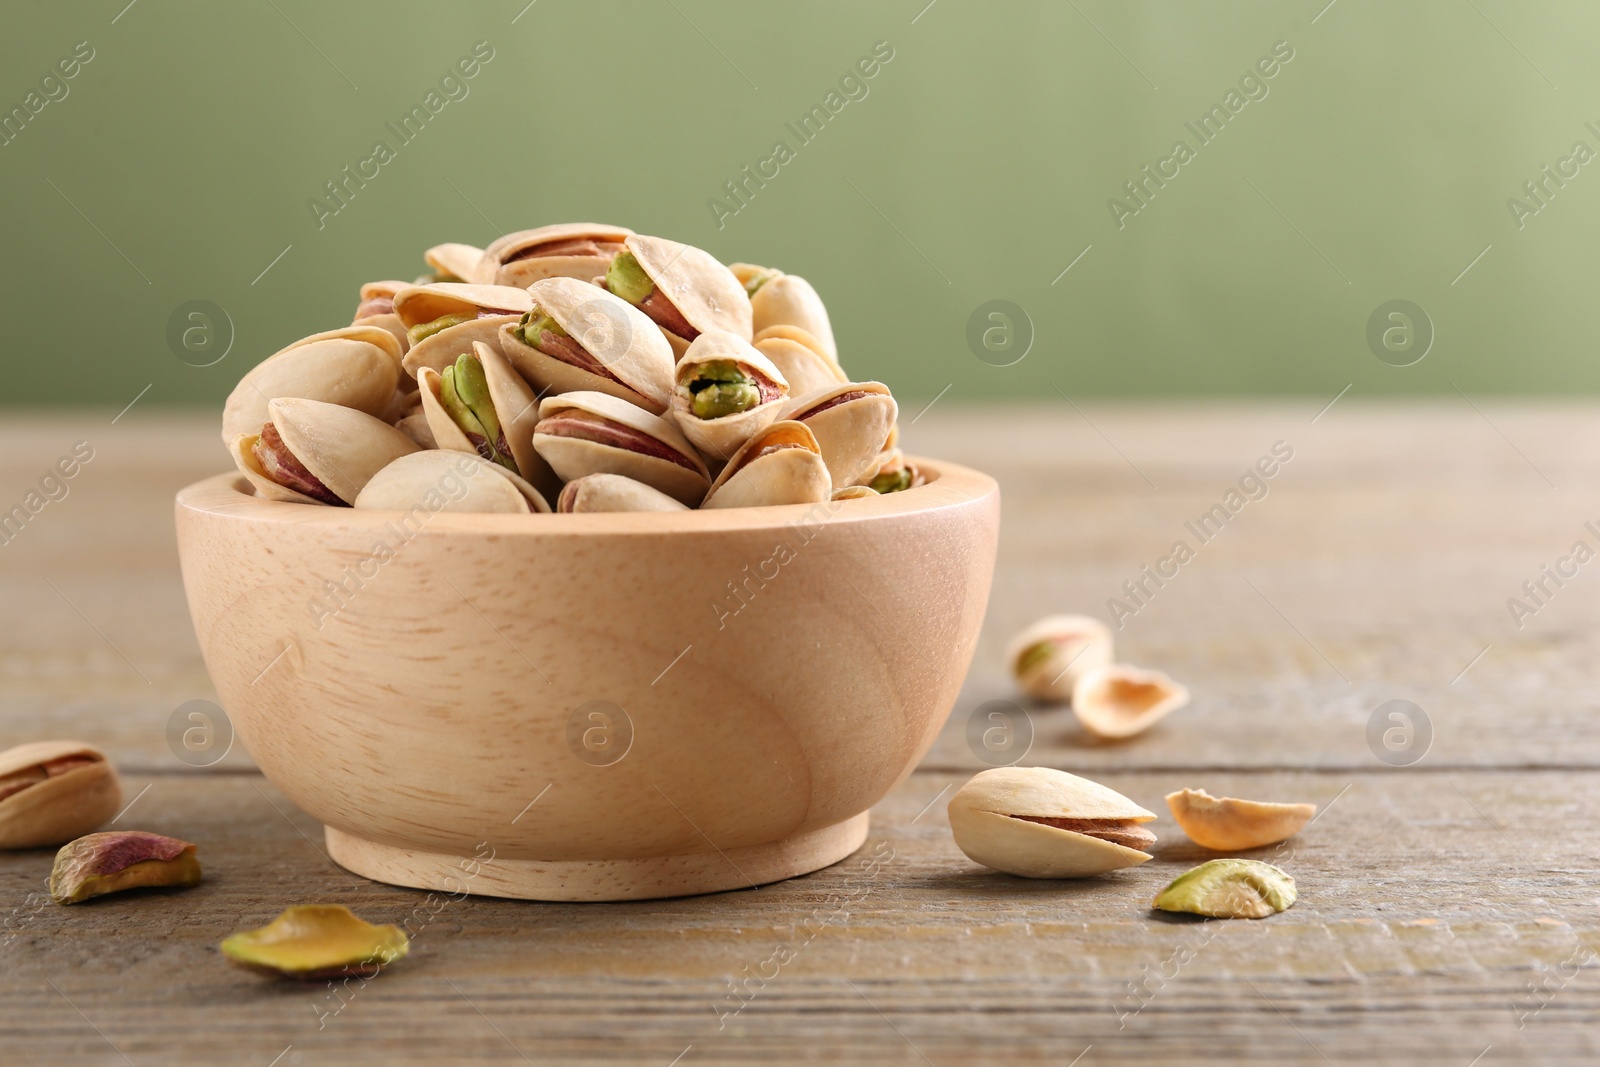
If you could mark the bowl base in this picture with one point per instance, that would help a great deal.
(576, 880)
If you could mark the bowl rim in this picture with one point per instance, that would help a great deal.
(949, 485)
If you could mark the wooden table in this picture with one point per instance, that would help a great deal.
(1447, 911)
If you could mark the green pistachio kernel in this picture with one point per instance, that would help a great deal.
(464, 393)
(892, 481)
(424, 330)
(1034, 655)
(721, 388)
(535, 324)
(1229, 889)
(625, 278)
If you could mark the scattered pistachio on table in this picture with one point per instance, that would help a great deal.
(53, 791)
(110, 862)
(1229, 889)
(1039, 822)
(316, 941)
(1227, 824)
(1048, 657)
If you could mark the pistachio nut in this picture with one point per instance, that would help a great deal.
(587, 432)
(893, 473)
(854, 492)
(98, 864)
(451, 262)
(355, 373)
(781, 464)
(480, 404)
(1229, 889)
(53, 791)
(443, 319)
(801, 358)
(310, 452)
(851, 423)
(581, 250)
(725, 392)
(683, 289)
(1117, 701)
(1227, 824)
(376, 308)
(578, 337)
(448, 479)
(1039, 822)
(779, 299)
(312, 942)
(414, 424)
(612, 492)
(1048, 657)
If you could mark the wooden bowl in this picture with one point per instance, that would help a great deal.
(596, 706)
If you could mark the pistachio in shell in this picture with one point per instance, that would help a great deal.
(110, 862)
(1038, 822)
(376, 308)
(1049, 656)
(779, 299)
(312, 942)
(684, 290)
(443, 319)
(582, 250)
(780, 465)
(480, 404)
(312, 452)
(54, 791)
(612, 492)
(354, 373)
(452, 262)
(894, 473)
(446, 479)
(851, 423)
(587, 432)
(725, 392)
(1228, 824)
(1229, 889)
(801, 357)
(1115, 701)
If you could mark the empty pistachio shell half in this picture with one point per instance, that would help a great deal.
(581, 250)
(98, 864)
(443, 319)
(1229, 889)
(452, 262)
(1048, 657)
(613, 492)
(338, 370)
(1117, 701)
(54, 791)
(1039, 822)
(315, 453)
(725, 392)
(1227, 824)
(438, 480)
(593, 433)
(316, 941)
(802, 359)
(780, 465)
(683, 289)
(851, 423)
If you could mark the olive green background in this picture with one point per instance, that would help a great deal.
(978, 167)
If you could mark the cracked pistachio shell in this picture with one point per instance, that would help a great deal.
(612, 445)
(851, 423)
(500, 264)
(1048, 657)
(705, 292)
(454, 262)
(801, 357)
(1227, 824)
(515, 406)
(1117, 701)
(448, 480)
(983, 820)
(54, 791)
(613, 492)
(793, 473)
(316, 941)
(110, 862)
(1229, 889)
(789, 300)
(341, 447)
(623, 339)
(490, 307)
(722, 437)
(355, 372)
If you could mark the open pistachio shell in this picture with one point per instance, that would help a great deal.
(631, 357)
(801, 358)
(339, 446)
(453, 262)
(483, 309)
(337, 370)
(851, 423)
(893, 473)
(376, 308)
(593, 433)
(242, 449)
(97, 864)
(789, 300)
(613, 492)
(1039, 822)
(54, 791)
(581, 250)
(854, 492)
(1117, 701)
(449, 480)
(318, 941)
(1227, 824)
(1049, 656)
(722, 436)
(704, 291)
(780, 465)
(516, 410)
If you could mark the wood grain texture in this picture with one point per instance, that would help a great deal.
(1446, 908)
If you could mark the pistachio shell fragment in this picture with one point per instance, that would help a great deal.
(1038, 822)
(54, 791)
(316, 941)
(453, 480)
(1117, 701)
(613, 492)
(110, 862)
(1226, 824)
(1049, 656)
(1229, 889)
(780, 465)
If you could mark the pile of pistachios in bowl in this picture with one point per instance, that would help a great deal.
(573, 367)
